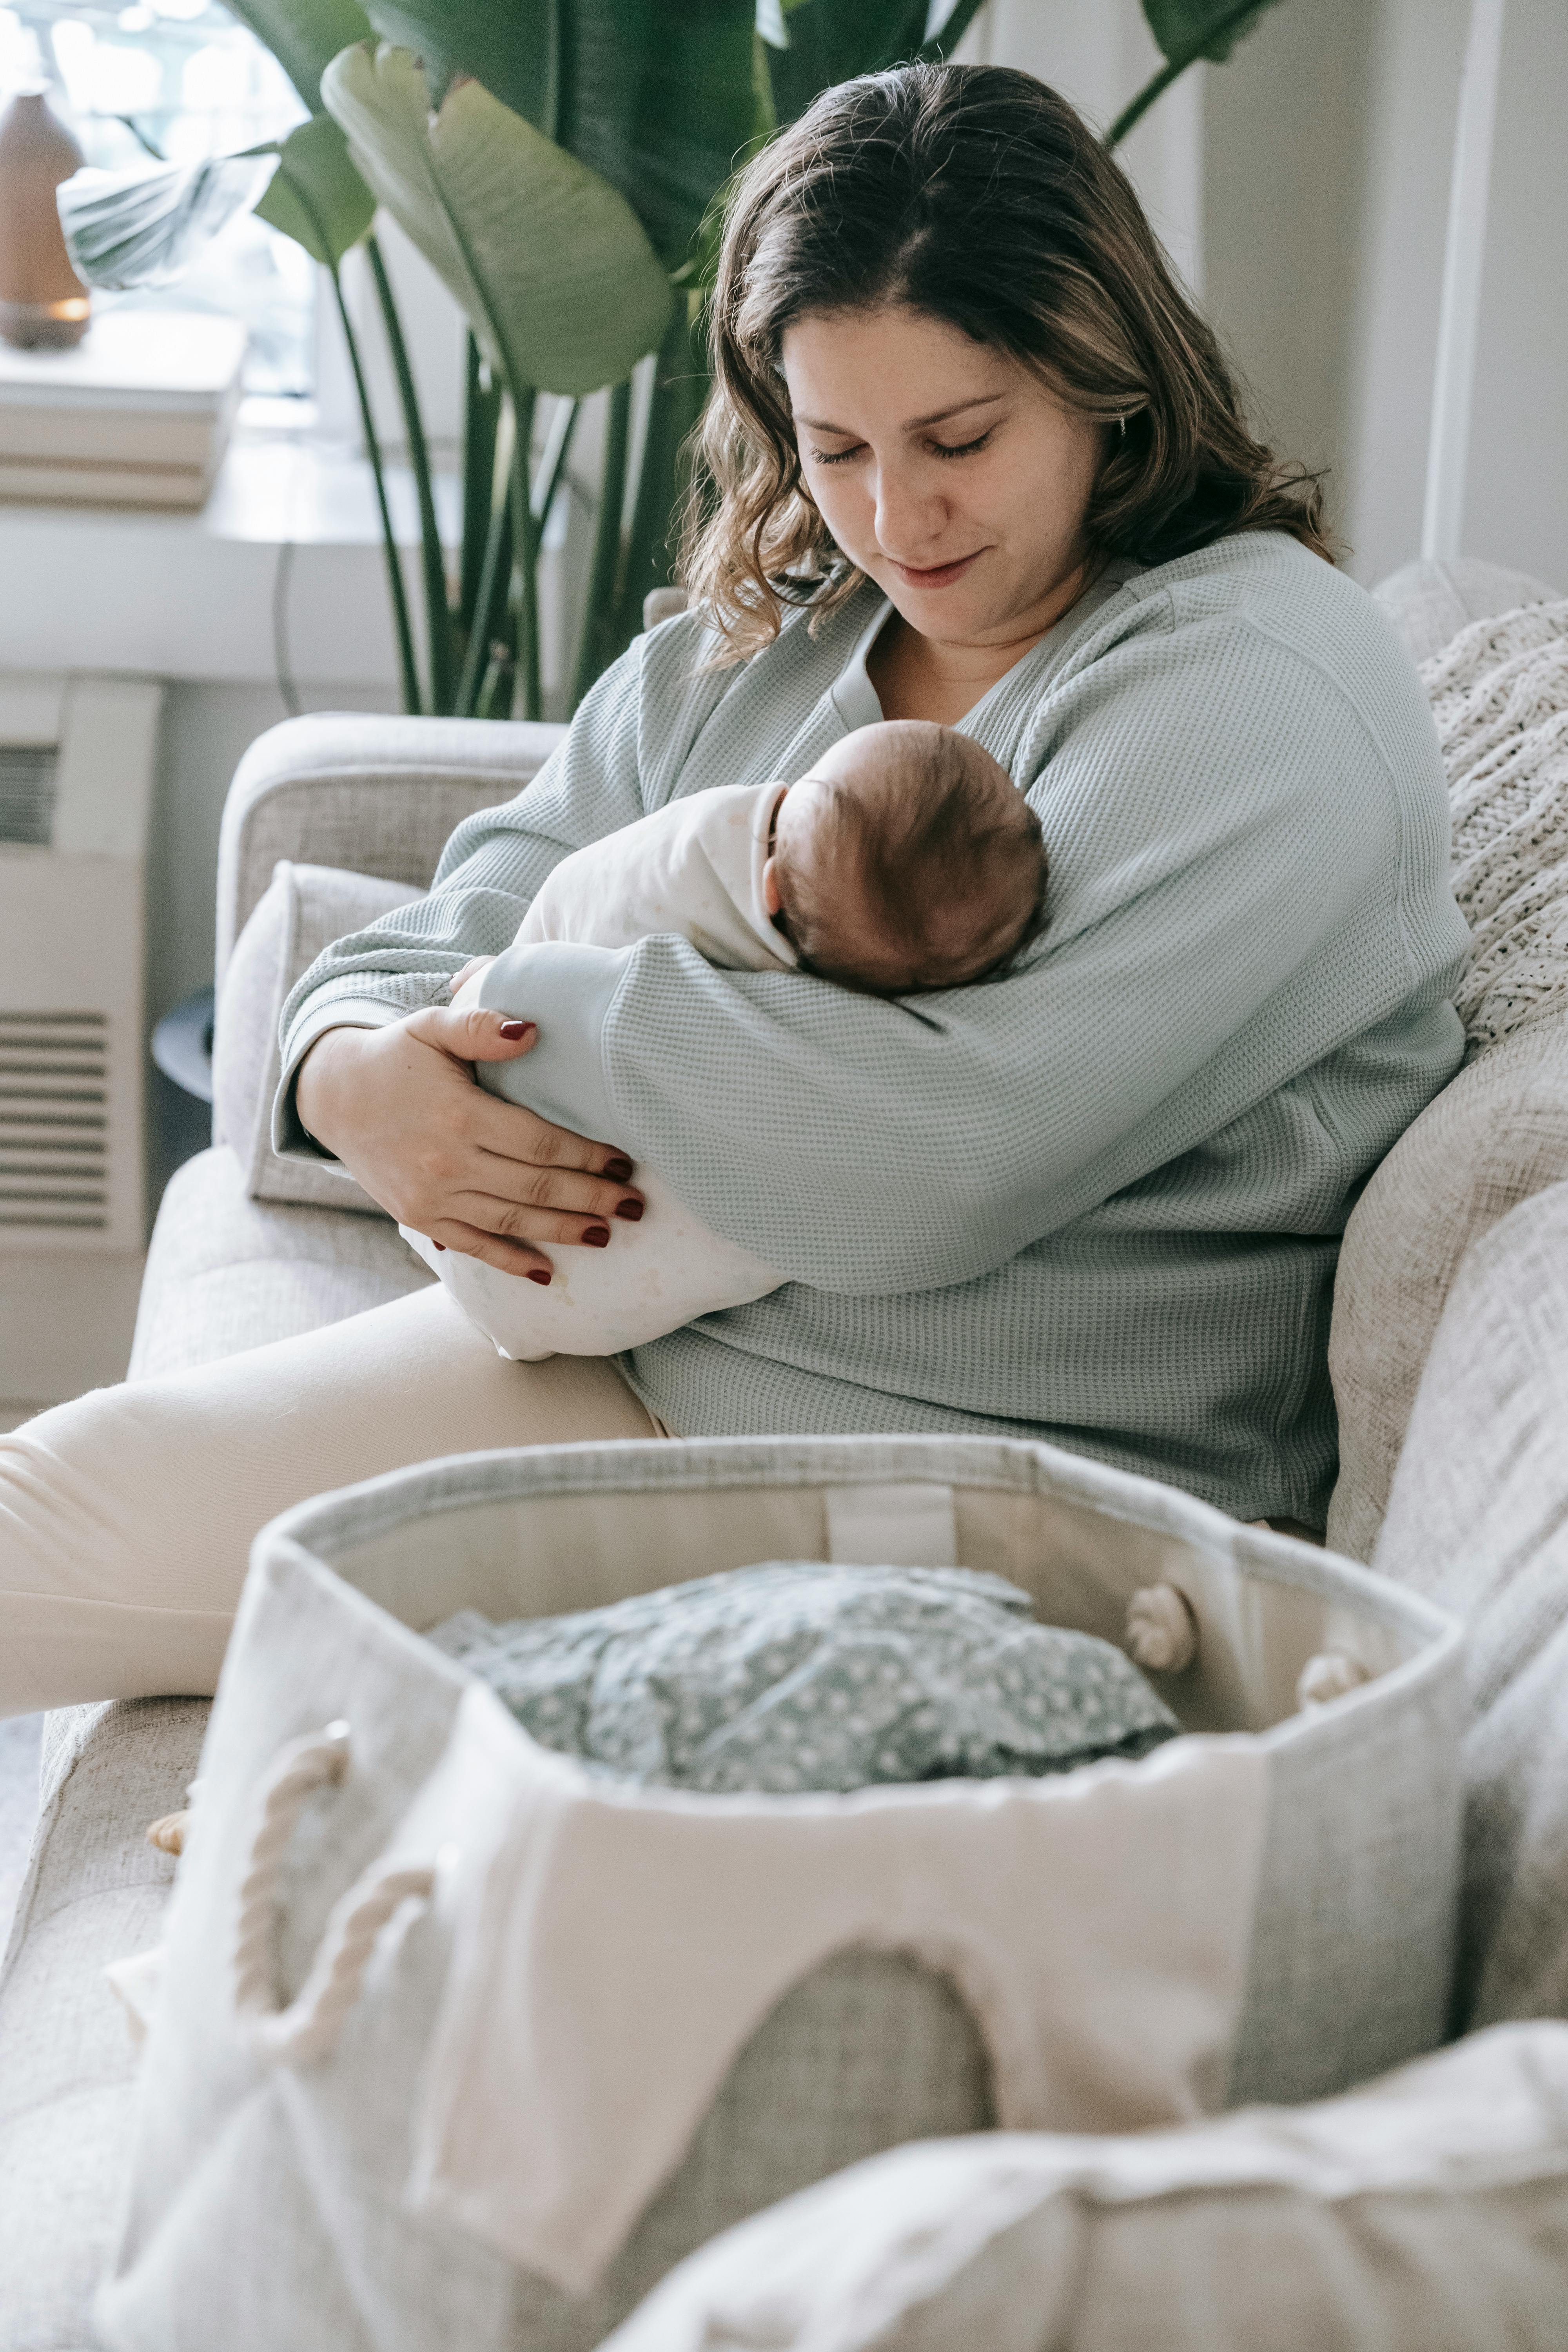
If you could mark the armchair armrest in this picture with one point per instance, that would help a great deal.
(381, 795)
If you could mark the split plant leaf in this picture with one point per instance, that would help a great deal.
(656, 96)
(550, 262)
(304, 35)
(125, 229)
(1187, 30)
(316, 196)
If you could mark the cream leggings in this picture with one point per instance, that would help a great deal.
(126, 1517)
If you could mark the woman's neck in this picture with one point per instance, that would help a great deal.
(926, 677)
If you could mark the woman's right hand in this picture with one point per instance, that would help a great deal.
(400, 1109)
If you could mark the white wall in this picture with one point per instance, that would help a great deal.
(1327, 158)
(1284, 179)
(1517, 508)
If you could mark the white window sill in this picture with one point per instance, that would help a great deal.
(190, 596)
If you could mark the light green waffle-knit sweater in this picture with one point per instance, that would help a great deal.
(1098, 1200)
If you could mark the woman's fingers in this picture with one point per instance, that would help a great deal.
(505, 1128)
(544, 1227)
(399, 1106)
(512, 1133)
(511, 1257)
(473, 1033)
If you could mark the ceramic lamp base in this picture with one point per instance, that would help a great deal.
(45, 326)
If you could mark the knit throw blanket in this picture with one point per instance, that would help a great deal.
(1499, 695)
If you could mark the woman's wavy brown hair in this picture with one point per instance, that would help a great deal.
(978, 196)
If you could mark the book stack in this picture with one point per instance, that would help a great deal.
(138, 415)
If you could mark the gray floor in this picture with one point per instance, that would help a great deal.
(19, 1736)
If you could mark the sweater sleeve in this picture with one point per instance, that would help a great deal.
(490, 873)
(1231, 870)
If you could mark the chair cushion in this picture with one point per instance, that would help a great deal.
(1493, 1137)
(95, 1892)
(303, 911)
(1477, 1520)
(226, 1271)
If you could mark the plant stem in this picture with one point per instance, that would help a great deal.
(553, 457)
(1139, 107)
(526, 556)
(495, 575)
(680, 389)
(437, 612)
(597, 617)
(411, 702)
(1233, 21)
(481, 407)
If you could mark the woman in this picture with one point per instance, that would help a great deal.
(979, 462)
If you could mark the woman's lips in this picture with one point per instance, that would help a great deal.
(936, 575)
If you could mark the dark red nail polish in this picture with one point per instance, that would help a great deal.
(440, 1246)
(619, 1169)
(630, 1210)
(597, 1237)
(537, 1274)
(515, 1028)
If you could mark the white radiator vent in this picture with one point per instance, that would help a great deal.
(27, 794)
(53, 1121)
(76, 779)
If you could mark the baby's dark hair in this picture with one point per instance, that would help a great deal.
(925, 867)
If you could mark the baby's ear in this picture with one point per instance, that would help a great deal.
(771, 897)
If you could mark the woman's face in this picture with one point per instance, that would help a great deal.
(944, 471)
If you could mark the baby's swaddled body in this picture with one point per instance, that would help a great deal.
(906, 860)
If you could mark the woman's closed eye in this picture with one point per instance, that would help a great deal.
(961, 449)
(937, 449)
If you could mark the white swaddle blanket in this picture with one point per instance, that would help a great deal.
(694, 867)
(615, 1946)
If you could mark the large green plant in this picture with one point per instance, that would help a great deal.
(561, 168)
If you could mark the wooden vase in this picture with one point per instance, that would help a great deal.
(42, 299)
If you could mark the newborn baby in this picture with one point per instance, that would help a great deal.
(906, 859)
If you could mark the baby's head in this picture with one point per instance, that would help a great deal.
(907, 859)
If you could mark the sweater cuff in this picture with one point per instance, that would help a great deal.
(289, 1138)
(566, 990)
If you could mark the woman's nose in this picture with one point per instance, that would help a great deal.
(909, 514)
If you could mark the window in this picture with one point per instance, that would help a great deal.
(180, 78)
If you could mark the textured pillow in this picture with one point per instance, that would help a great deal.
(1490, 1141)
(1427, 2212)
(305, 910)
(1499, 696)
(1478, 1520)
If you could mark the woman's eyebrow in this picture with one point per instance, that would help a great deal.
(915, 423)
